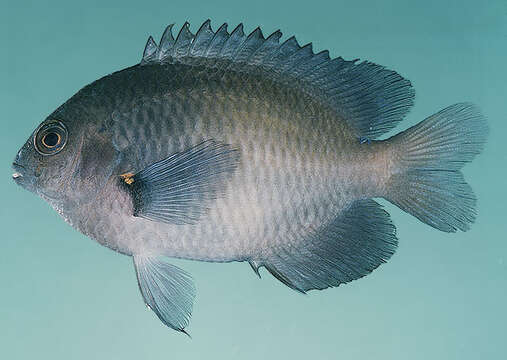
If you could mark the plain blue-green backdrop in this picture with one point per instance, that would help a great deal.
(442, 296)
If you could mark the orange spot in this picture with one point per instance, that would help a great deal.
(127, 177)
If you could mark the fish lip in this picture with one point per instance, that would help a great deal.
(16, 165)
(18, 171)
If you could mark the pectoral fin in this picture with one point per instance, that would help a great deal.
(179, 189)
(167, 290)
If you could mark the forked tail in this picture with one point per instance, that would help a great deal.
(427, 181)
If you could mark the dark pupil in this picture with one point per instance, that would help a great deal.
(50, 139)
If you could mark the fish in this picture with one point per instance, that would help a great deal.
(225, 146)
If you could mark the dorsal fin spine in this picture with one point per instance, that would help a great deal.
(266, 49)
(296, 63)
(250, 45)
(150, 50)
(202, 39)
(183, 41)
(218, 41)
(232, 44)
(166, 42)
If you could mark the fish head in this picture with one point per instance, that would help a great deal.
(42, 163)
(64, 160)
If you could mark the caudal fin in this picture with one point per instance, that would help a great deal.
(427, 181)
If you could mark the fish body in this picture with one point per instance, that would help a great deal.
(225, 147)
(298, 162)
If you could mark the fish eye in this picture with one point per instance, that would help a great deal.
(50, 138)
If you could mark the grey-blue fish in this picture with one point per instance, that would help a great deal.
(227, 147)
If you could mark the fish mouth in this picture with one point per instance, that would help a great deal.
(18, 171)
(23, 177)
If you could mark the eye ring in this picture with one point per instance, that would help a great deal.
(50, 138)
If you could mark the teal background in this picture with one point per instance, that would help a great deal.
(442, 296)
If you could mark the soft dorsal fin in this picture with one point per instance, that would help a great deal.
(371, 98)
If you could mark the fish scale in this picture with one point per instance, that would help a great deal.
(226, 147)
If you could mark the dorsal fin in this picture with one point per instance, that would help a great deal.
(371, 98)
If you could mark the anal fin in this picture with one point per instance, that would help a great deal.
(355, 243)
(167, 290)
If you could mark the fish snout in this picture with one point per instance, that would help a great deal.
(23, 177)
